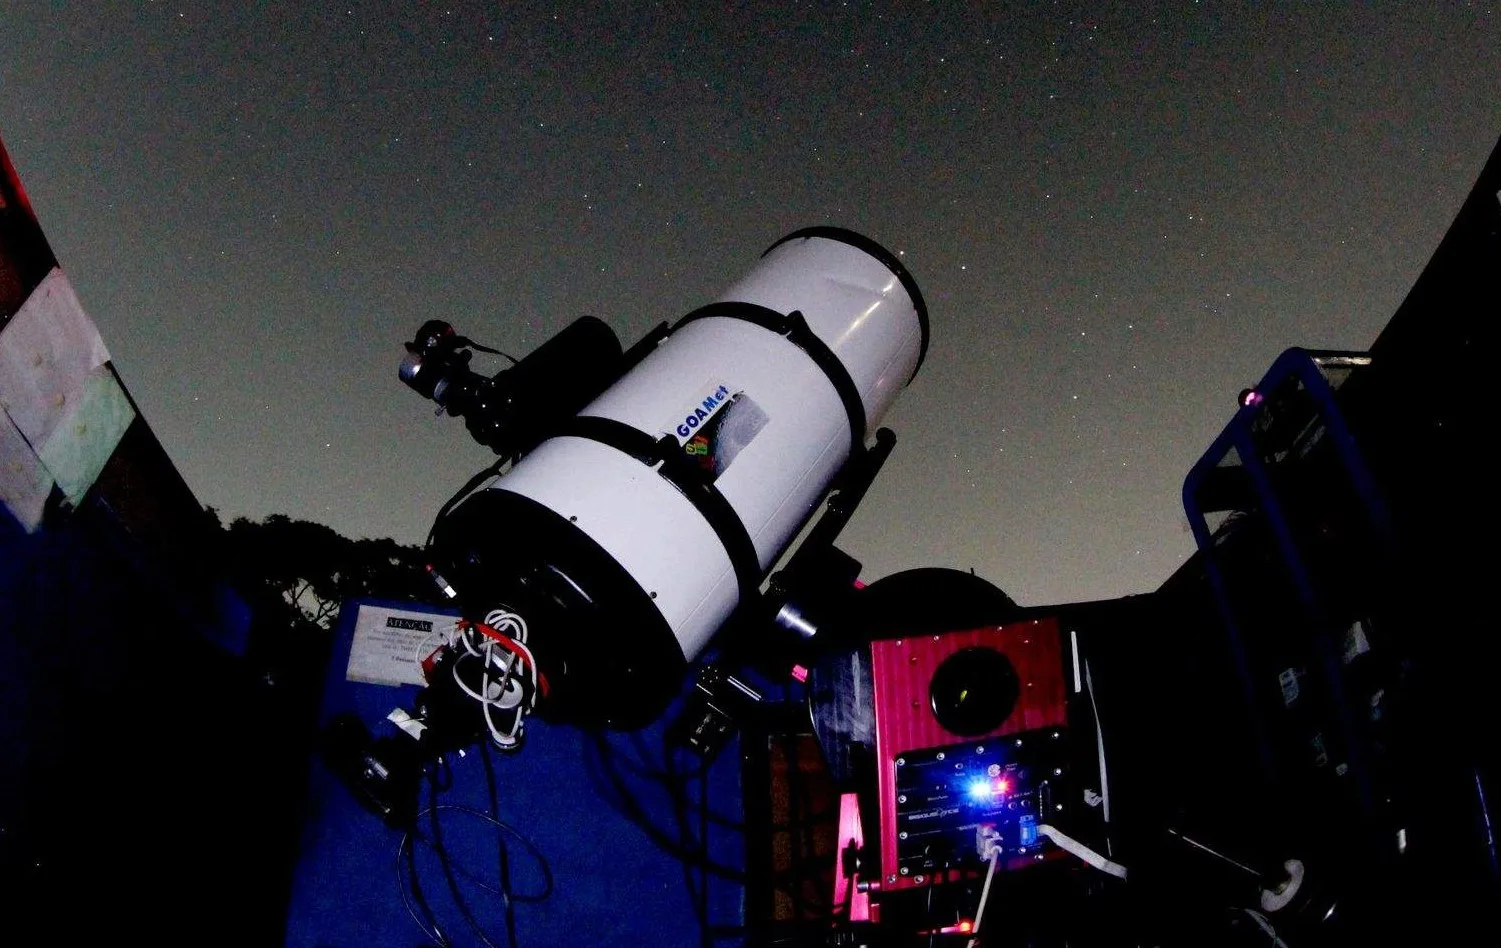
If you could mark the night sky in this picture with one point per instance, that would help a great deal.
(1118, 216)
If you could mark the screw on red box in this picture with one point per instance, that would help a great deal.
(971, 736)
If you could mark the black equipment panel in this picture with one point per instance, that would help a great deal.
(949, 799)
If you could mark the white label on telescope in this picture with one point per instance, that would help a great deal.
(719, 427)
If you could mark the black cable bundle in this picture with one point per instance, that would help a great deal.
(440, 778)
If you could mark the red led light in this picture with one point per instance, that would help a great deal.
(963, 927)
(1002, 785)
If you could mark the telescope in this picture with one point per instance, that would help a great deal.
(645, 495)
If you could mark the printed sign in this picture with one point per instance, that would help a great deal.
(389, 643)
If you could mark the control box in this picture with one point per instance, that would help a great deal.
(972, 743)
(952, 800)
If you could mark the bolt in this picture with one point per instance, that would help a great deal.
(902, 835)
(920, 879)
(1018, 742)
(1057, 734)
(935, 638)
(1059, 807)
(891, 878)
(902, 798)
(940, 755)
(1039, 857)
(904, 870)
(901, 761)
(980, 749)
(1057, 771)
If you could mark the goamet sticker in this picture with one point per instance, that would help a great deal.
(715, 431)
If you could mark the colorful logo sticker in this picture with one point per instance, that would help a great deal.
(719, 428)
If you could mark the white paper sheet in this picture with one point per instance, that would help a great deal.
(24, 482)
(82, 443)
(48, 350)
(389, 644)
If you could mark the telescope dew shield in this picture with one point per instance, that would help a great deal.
(630, 536)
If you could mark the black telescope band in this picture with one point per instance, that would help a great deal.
(681, 472)
(796, 330)
(677, 469)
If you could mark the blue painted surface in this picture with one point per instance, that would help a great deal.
(613, 884)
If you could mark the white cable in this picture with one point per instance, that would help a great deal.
(504, 741)
(507, 670)
(1266, 927)
(514, 662)
(1070, 845)
(483, 696)
(995, 857)
(528, 676)
(1073, 641)
(528, 669)
(507, 623)
(508, 739)
(1277, 899)
(513, 627)
(1099, 736)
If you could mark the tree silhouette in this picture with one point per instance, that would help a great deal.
(302, 572)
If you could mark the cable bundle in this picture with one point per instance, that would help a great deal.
(508, 682)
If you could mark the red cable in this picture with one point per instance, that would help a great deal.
(509, 644)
